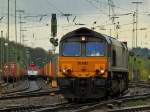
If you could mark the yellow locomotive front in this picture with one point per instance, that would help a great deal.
(91, 65)
(83, 66)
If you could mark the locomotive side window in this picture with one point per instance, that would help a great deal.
(95, 49)
(71, 49)
(114, 58)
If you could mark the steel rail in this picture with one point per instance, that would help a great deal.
(113, 101)
(17, 91)
(145, 108)
(30, 91)
(29, 108)
(66, 107)
(27, 95)
(87, 107)
(20, 108)
(23, 91)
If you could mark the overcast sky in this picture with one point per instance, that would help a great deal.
(85, 11)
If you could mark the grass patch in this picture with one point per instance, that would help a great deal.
(139, 66)
(135, 103)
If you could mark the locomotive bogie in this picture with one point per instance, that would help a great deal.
(83, 87)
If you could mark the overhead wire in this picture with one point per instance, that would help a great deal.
(96, 7)
(61, 12)
(124, 9)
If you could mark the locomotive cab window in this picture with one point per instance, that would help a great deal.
(71, 49)
(95, 49)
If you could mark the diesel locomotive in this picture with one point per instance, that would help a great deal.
(91, 65)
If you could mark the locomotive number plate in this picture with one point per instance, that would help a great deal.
(82, 63)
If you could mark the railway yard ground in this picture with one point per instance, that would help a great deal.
(35, 96)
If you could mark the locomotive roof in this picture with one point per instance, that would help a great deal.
(83, 31)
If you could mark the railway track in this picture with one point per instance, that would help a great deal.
(144, 84)
(34, 89)
(29, 87)
(3, 84)
(83, 107)
(63, 107)
(23, 87)
(20, 108)
(99, 105)
(115, 101)
(40, 87)
(30, 108)
(28, 95)
(87, 107)
(133, 109)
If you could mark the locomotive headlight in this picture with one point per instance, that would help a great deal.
(83, 39)
(102, 71)
(64, 70)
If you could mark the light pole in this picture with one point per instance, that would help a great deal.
(1, 44)
(6, 45)
(8, 21)
(133, 31)
(137, 7)
(20, 17)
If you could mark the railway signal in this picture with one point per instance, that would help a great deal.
(54, 41)
(54, 25)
